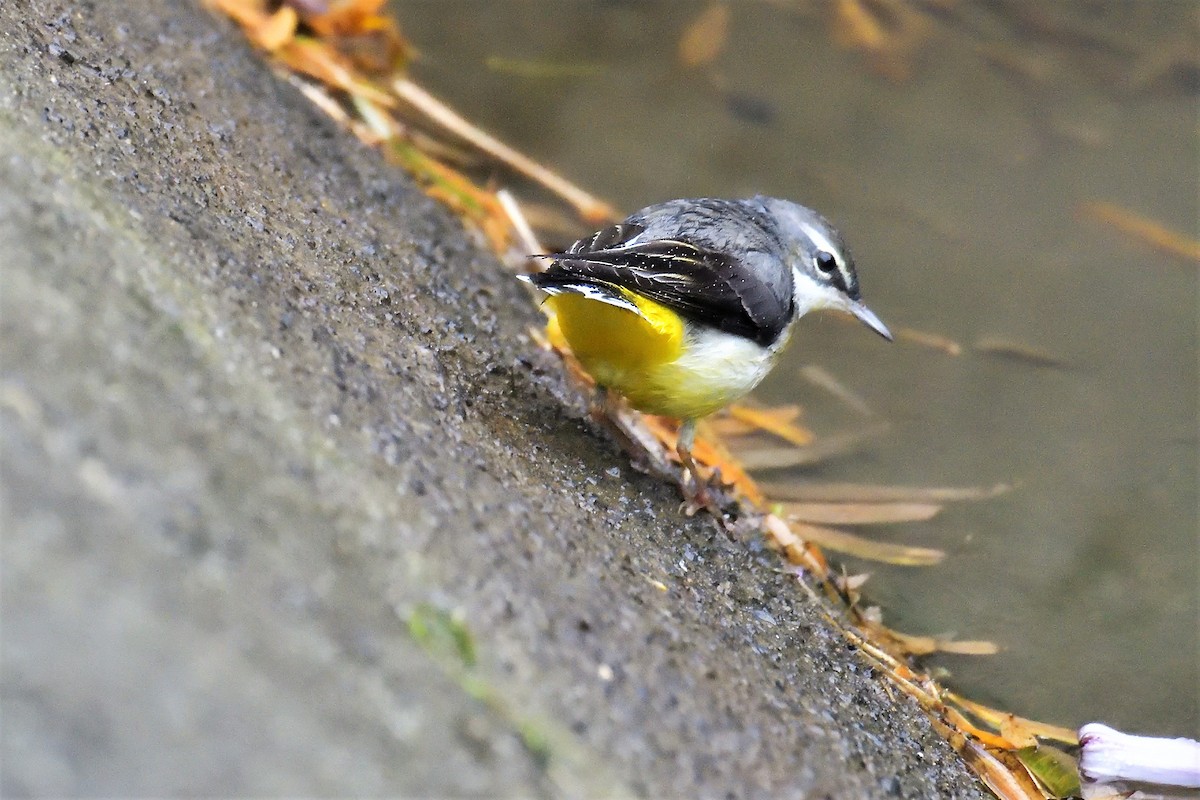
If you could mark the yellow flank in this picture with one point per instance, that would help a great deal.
(611, 341)
(651, 359)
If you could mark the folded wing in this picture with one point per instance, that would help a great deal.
(702, 285)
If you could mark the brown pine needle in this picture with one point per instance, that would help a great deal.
(781, 537)
(320, 61)
(888, 32)
(995, 740)
(727, 425)
(854, 545)
(590, 208)
(320, 97)
(455, 190)
(704, 38)
(968, 647)
(1004, 781)
(823, 449)
(868, 493)
(932, 340)
(860, 513)
(1143, 229)
(996, 718)
(523, 231)
(552, 219)
(1018, 351)
(528, 68)
(822, 378)
(925, 645)
(773, 422)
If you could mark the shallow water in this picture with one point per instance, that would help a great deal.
(959, 189)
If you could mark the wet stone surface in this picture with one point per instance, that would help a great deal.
(262, 402)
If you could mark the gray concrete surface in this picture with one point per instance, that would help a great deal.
(262, 402)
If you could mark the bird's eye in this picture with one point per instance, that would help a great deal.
(826, 262)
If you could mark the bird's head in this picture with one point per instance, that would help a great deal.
(822, 268)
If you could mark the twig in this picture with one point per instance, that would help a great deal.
(525, 235)
(588, 207)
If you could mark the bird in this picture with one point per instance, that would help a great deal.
(684, 306)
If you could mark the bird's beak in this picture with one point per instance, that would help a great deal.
(869, 319)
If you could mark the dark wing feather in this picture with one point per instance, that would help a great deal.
(700, 284)
(603, 239)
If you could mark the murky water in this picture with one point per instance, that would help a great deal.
(960, 190)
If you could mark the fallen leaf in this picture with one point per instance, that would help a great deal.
(1056, 773)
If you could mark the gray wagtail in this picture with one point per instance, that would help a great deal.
(686, 305)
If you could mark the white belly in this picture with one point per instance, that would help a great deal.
(716, 369)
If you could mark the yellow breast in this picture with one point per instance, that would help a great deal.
(654, 360)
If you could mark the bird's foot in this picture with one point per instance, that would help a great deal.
(704, 494)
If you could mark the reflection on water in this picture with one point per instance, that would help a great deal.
(957, 163)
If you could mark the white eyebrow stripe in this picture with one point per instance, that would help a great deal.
(821, 241)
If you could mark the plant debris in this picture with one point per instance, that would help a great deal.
(779, 422)
(757, 459)
(1142, 229)
(523, 68)
(860, 513)
(1018, 351)
(822, 378)
(932, 340)
(890, 33)
(872, 549)
(704, 39)
(868, 493)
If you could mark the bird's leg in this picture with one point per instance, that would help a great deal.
(607, 413)
(697, 492)
(683, 446)
(598, 408)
